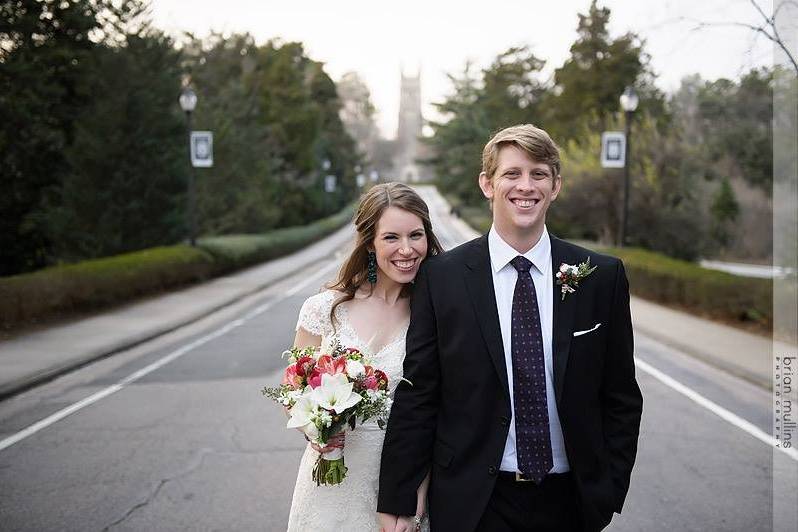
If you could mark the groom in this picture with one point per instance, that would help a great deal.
(523, 406)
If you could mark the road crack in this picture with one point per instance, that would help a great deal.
(194, 465)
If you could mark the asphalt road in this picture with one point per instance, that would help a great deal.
(187, 442)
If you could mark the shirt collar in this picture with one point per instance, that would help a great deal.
(501, 253)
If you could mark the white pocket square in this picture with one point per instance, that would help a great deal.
(580, 333)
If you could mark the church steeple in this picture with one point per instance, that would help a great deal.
(409, 127)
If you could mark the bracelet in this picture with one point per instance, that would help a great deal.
(417, 520)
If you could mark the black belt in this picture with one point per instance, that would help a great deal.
(521, 477)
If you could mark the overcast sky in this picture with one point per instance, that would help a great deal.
(438, 36)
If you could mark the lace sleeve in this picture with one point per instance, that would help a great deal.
(314, 316)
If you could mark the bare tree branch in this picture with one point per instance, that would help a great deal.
(769, 29)
(770, 21)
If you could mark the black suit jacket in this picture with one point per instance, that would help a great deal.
(454, 418)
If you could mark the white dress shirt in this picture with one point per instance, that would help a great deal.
(504, 278)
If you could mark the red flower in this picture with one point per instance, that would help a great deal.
(304, 366)
(291, 378)
(382, 379)
(314, 381)
(330, 365)
(370, 382)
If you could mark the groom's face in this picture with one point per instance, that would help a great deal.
(520, 191)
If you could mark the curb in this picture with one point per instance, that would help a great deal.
(704, 356)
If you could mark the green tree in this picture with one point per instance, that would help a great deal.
(511, 90)
(736, 123)
(665, 212)
(358, 114)
(724, 209)
(589, 83)
(300, 105)
(505, 93)
(239, 194)
(43, 84)
(458, 140)
(126, 180)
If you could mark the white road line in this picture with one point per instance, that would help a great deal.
(699, 399)
(174, 355)
(716, 409)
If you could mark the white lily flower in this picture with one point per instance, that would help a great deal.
(303, 411)
(335, 393)
(355, 368)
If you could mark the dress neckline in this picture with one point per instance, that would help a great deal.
(343, 319)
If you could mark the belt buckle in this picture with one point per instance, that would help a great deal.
(519, 479)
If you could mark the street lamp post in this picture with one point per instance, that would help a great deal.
(188, 101)
(629, 101)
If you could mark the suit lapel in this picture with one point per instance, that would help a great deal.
(563, 319)
(479, 282)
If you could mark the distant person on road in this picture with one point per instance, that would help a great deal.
(524, 410)
(367, 308)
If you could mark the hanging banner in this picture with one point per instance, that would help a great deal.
(613, 149)
(201, 149)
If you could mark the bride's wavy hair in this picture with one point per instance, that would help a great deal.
(373, 203)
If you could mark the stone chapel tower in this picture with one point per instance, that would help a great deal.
(409, 130)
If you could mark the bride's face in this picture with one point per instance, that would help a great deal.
(400, 244)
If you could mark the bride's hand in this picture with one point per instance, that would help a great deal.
(387, 522)
(335, 442)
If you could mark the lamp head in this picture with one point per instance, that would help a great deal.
(188, 100)
(629, 99)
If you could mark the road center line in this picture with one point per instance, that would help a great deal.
(716, 409)
(174, 355)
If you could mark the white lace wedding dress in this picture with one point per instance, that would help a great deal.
(352, 505)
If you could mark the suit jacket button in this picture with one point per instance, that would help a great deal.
(492, 470)
(505, 421)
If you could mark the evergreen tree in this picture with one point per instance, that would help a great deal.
(44, 82)
(506, 93)
(125, 188)
(300, 105)
(592, 79)
(724, 209)
(239, 194)
(736, 122)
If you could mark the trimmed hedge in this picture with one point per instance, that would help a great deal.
(662, 279)
(710, 293)
(232, 252)
(59, 291)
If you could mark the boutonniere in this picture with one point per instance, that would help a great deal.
(569, 276)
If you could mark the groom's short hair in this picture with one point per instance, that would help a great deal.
(532, 140)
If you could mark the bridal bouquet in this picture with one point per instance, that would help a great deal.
(327, 389)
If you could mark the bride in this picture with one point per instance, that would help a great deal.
(367, 307)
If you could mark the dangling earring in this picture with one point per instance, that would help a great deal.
(372, 268)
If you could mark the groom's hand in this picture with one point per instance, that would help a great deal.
(387, 522)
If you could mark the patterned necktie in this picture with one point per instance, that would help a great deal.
(532, 440)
